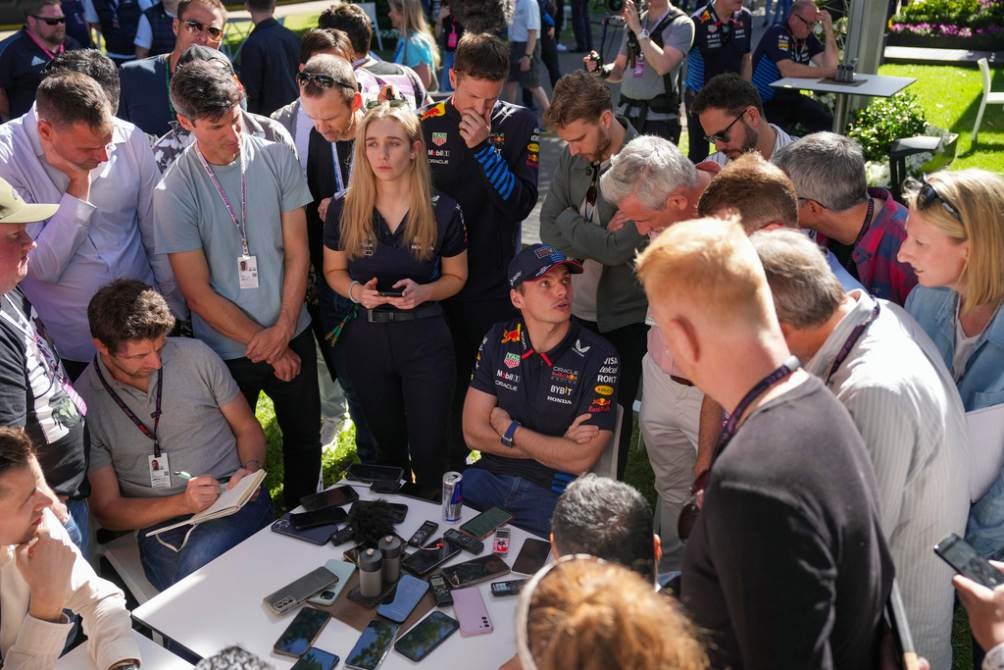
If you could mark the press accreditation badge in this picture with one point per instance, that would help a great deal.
(160, 471)
(247, 270)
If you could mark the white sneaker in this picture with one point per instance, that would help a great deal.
(562, 47)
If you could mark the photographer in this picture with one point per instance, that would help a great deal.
(647, 67)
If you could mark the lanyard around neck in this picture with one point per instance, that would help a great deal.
(239, 223)
(152, 434)
(732, 423)
(851, 340)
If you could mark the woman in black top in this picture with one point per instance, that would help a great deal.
(397, 250)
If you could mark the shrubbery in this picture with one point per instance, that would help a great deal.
(955, 18)
(884, 121)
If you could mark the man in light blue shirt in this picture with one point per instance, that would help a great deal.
(70, 149)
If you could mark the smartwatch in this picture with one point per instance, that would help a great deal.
(509, 433)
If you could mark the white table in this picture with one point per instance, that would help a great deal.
(221, 604)
(153, 656)
(874, 85)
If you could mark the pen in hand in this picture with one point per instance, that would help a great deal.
(186, 476)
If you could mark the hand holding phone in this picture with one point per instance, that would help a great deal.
(964, 560)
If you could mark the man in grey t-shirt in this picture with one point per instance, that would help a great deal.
(160, 407)
(647, 67)
(229, 214)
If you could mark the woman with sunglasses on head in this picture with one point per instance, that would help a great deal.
(955, 243)
(397, 250)
(416, 45)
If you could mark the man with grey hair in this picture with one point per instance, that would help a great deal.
(230, 217)
(862, 226)
(654, 185)
(892, 380)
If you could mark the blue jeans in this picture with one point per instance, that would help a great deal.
(78, 525)
(531, 505)
(163, 566)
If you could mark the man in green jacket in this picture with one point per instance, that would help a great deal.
(577, 220)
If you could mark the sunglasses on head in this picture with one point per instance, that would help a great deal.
(723, 135)
(196, 27)
(323, 80)
(927, 195)
(50, 20)
(393, 104)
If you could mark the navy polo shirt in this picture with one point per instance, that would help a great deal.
(719, 46)
(145, 100)
(545, 392)
(777, 44)
(387, 258)
(21, 63)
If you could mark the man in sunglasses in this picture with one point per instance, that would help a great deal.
(730, 112)
(786, 50)
(145, 83)
(864, 227)
(575, 218)
(26, 53)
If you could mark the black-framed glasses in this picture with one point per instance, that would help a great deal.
(927, 195)
(394, 103)
(811, 25)
(323, 80)
(50, 20)
(723, 135)
(197, 27)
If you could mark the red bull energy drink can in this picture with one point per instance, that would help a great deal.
(453, 496)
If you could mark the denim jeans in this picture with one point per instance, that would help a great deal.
(531, 505)
(163, 566)
(78, 525)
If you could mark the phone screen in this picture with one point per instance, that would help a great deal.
(483, 524)
(316, 659)
(373, 645)
(961, 556)
(340, 495)
(372, 473)
(476, 570)
(320, 517)
(425, 559)
(532, 556)
(427, 634)
(316, 535)
(403, 599)
(300, 633)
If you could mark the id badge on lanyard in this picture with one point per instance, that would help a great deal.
(247, 265)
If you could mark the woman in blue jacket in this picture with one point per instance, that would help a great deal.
(955, 243)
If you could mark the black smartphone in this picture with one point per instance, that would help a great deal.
(426, 635)
(391, 292)
(333, 497)
(427, 558)
(423, 534)
(964, 560)
(485, 523)
(509, 588)
(475, 571)
(317, 535)
(372, 646)
(316, 659)
(386, 486)
(371, 473)
(398, 511)
(532, 556)
(301, 632)
(399, 604)
(318, 517)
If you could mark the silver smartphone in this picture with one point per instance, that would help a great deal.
(296, 592)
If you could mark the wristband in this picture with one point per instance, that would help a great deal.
(351, 286)
(510, 432)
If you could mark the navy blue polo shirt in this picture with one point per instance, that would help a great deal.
(388, 259)
(21, 63)
(145, 99)
(777, 44)
(719, 46)
(545, 392)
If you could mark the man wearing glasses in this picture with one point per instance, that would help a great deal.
(145, 83)
(786, 51)
(576, 220)
(730, 112)
(21, 61)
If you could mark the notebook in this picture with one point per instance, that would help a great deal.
(229, 502)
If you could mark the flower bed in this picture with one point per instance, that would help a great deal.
(969, 24)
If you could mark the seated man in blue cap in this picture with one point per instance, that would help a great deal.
(541, 404)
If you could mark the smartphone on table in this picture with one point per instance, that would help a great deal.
(316, 659)
(483, 524)
(301, 632)
(326, 597)
(964, 560)
(471, 612)
(475, 571)
(325, 516)
(426, 635)
(532, 556)
(362, 472)
(333, 497)
(400, 603)
(431, 556)
(372, 646)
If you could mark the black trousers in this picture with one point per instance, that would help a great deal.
(669, 129)
(403, 374)
(631, 343)
(468, 322)
(798, 113)
(298, 411)
(699, 147)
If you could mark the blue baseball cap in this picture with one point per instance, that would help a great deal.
(537, 260)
